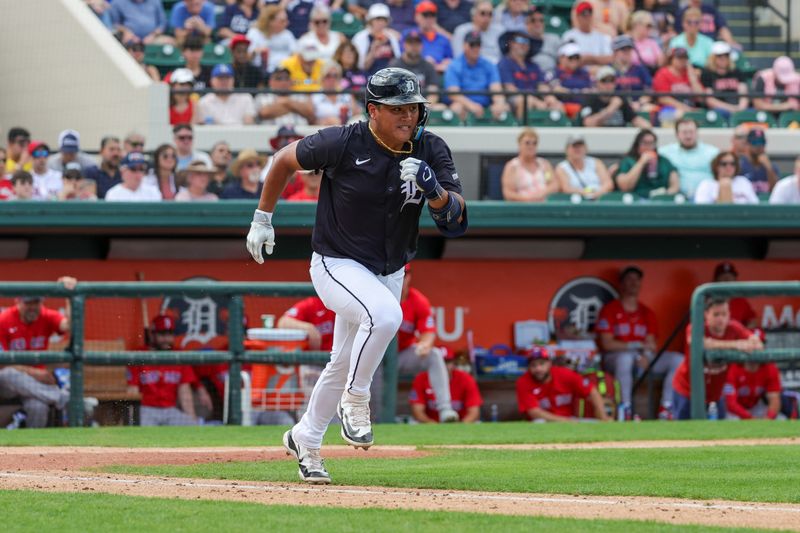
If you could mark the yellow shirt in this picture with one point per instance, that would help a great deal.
(12, 165)
(300, 80)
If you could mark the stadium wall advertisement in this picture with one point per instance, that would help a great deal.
(485, 297)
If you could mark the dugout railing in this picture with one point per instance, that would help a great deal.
(699, 356)
(77, 356)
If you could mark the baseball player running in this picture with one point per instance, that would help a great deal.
(376, 177)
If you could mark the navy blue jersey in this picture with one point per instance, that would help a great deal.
(365, 211)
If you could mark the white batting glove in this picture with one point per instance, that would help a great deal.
(409, 168)
(261, 234)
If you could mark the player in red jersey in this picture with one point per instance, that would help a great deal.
(747, 388)
(547, 392)
(721, 333)
(166, 389)
(311, 315)
(465, 398)
(740, 308)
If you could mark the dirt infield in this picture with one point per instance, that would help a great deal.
(56, 469)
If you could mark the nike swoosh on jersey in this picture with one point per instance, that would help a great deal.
(360, 162)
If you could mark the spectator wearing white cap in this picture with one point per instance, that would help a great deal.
(196, 178)
(595, 46)
(723, 81)
(181, 107)
(483, 23)
(305, 68)
(781, 84)
(569, 79)
(69, 150)
(787, 190)
(376, 44)
(607, 109)
(225, 108)
(133, 168)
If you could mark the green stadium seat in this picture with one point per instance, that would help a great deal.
(443, 117)
(751, 115)
(677, 198)
(787, 117)
(763, 197)
(163, 56)
(214, 54)
(346, 23)
(565, 197)
(547, 119)
(556, 24)
(506, 120)
(708, 119)
(617, 197)
(744, 66)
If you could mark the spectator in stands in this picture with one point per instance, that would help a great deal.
(278, 107)
(245, 74)
(721, 333)
(544, 46)
(22, 185)
(305, 68)
(101, 8)
(353, 77)
(697, 44)
(594, 46)
(582, 174)
(569, 79)
(677, 77)
(607, 109)
(520, 75)
(181, 106)
(376, 45)
(225, 108)
(320, 34)
(528, 177)
(28, 326)
(727, 186)
(46, 181)
(691, 157)
(483, 23)
(5, 184)
(74, 186)
(133, 142)
(739, 140)
(162, 174)
(133, 167)
(723, 82)
(740, 308)
(107, 174)
(284, 137)
(412, 60)
(237, 18)
(69, 150)
(270, 41)
(166, 389)
(140, 21)
(465, 397)
(787, 190)
(246, 170)
(311, 180)
(221, 157)
(196, 178)
(547, 393)
(451, 14)
(436, 47)
(609, 16)
(756, 165)
(192, 55)
(136, 50)
(753, 391)
(196, 17)
(630, 76)
(299, 13)
(648, 50)
(511, 14)
(712, 24)
(627, 330)
(333, 109)
(18, 157)
(471, 72)
(644, 172)
(781, 84)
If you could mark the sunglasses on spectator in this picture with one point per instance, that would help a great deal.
(251, 164)
(530, 142)
(40, 153)
(2, 160)
(693, 22)
(428, 14)
(185, 137)
(168, 156)
(521, 40)
(138, 169)
(727, 163)
(575, 57)
(485, 13)
(136, 47)
(280, 77)
(70, 176)
(536, 19)
(136, 144)
(320, 22)
(332, 75)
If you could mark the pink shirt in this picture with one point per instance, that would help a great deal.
(648, 53)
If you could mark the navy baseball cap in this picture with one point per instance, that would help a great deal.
(222, 70)
(70, 143)
(134, 160)
(757, 137)
(473, 37)
(413, 35)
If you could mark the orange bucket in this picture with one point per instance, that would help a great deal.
(277, 387)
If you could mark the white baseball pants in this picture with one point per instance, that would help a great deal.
(368, 315)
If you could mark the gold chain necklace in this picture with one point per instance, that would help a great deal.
(396, 152)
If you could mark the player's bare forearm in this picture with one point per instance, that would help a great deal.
(185, 400)
(598, 405)
(540, 414)
(471, 415)
(773, 404)
(418, 412)
(284, 165)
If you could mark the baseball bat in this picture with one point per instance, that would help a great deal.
(145, 315)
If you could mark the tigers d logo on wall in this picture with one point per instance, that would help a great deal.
(574, 309)
(199, 322)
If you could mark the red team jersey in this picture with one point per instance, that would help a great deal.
(301, 196)
(556, 396)
(715, 377)
(625, 326)
(17, 335)
(416, 317)
(464, 393)
(312, 310)
(158, 384)
(744, 389)
(741, 310)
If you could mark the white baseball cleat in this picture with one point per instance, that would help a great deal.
(353, 411)
(311, 466)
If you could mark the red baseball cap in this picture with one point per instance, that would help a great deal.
(426, 6)
(726, 267)
(239, 39)
(449, 354)
(536, 352)
(584, 6)
(163, 323)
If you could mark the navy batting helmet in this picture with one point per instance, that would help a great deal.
(397, 86)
